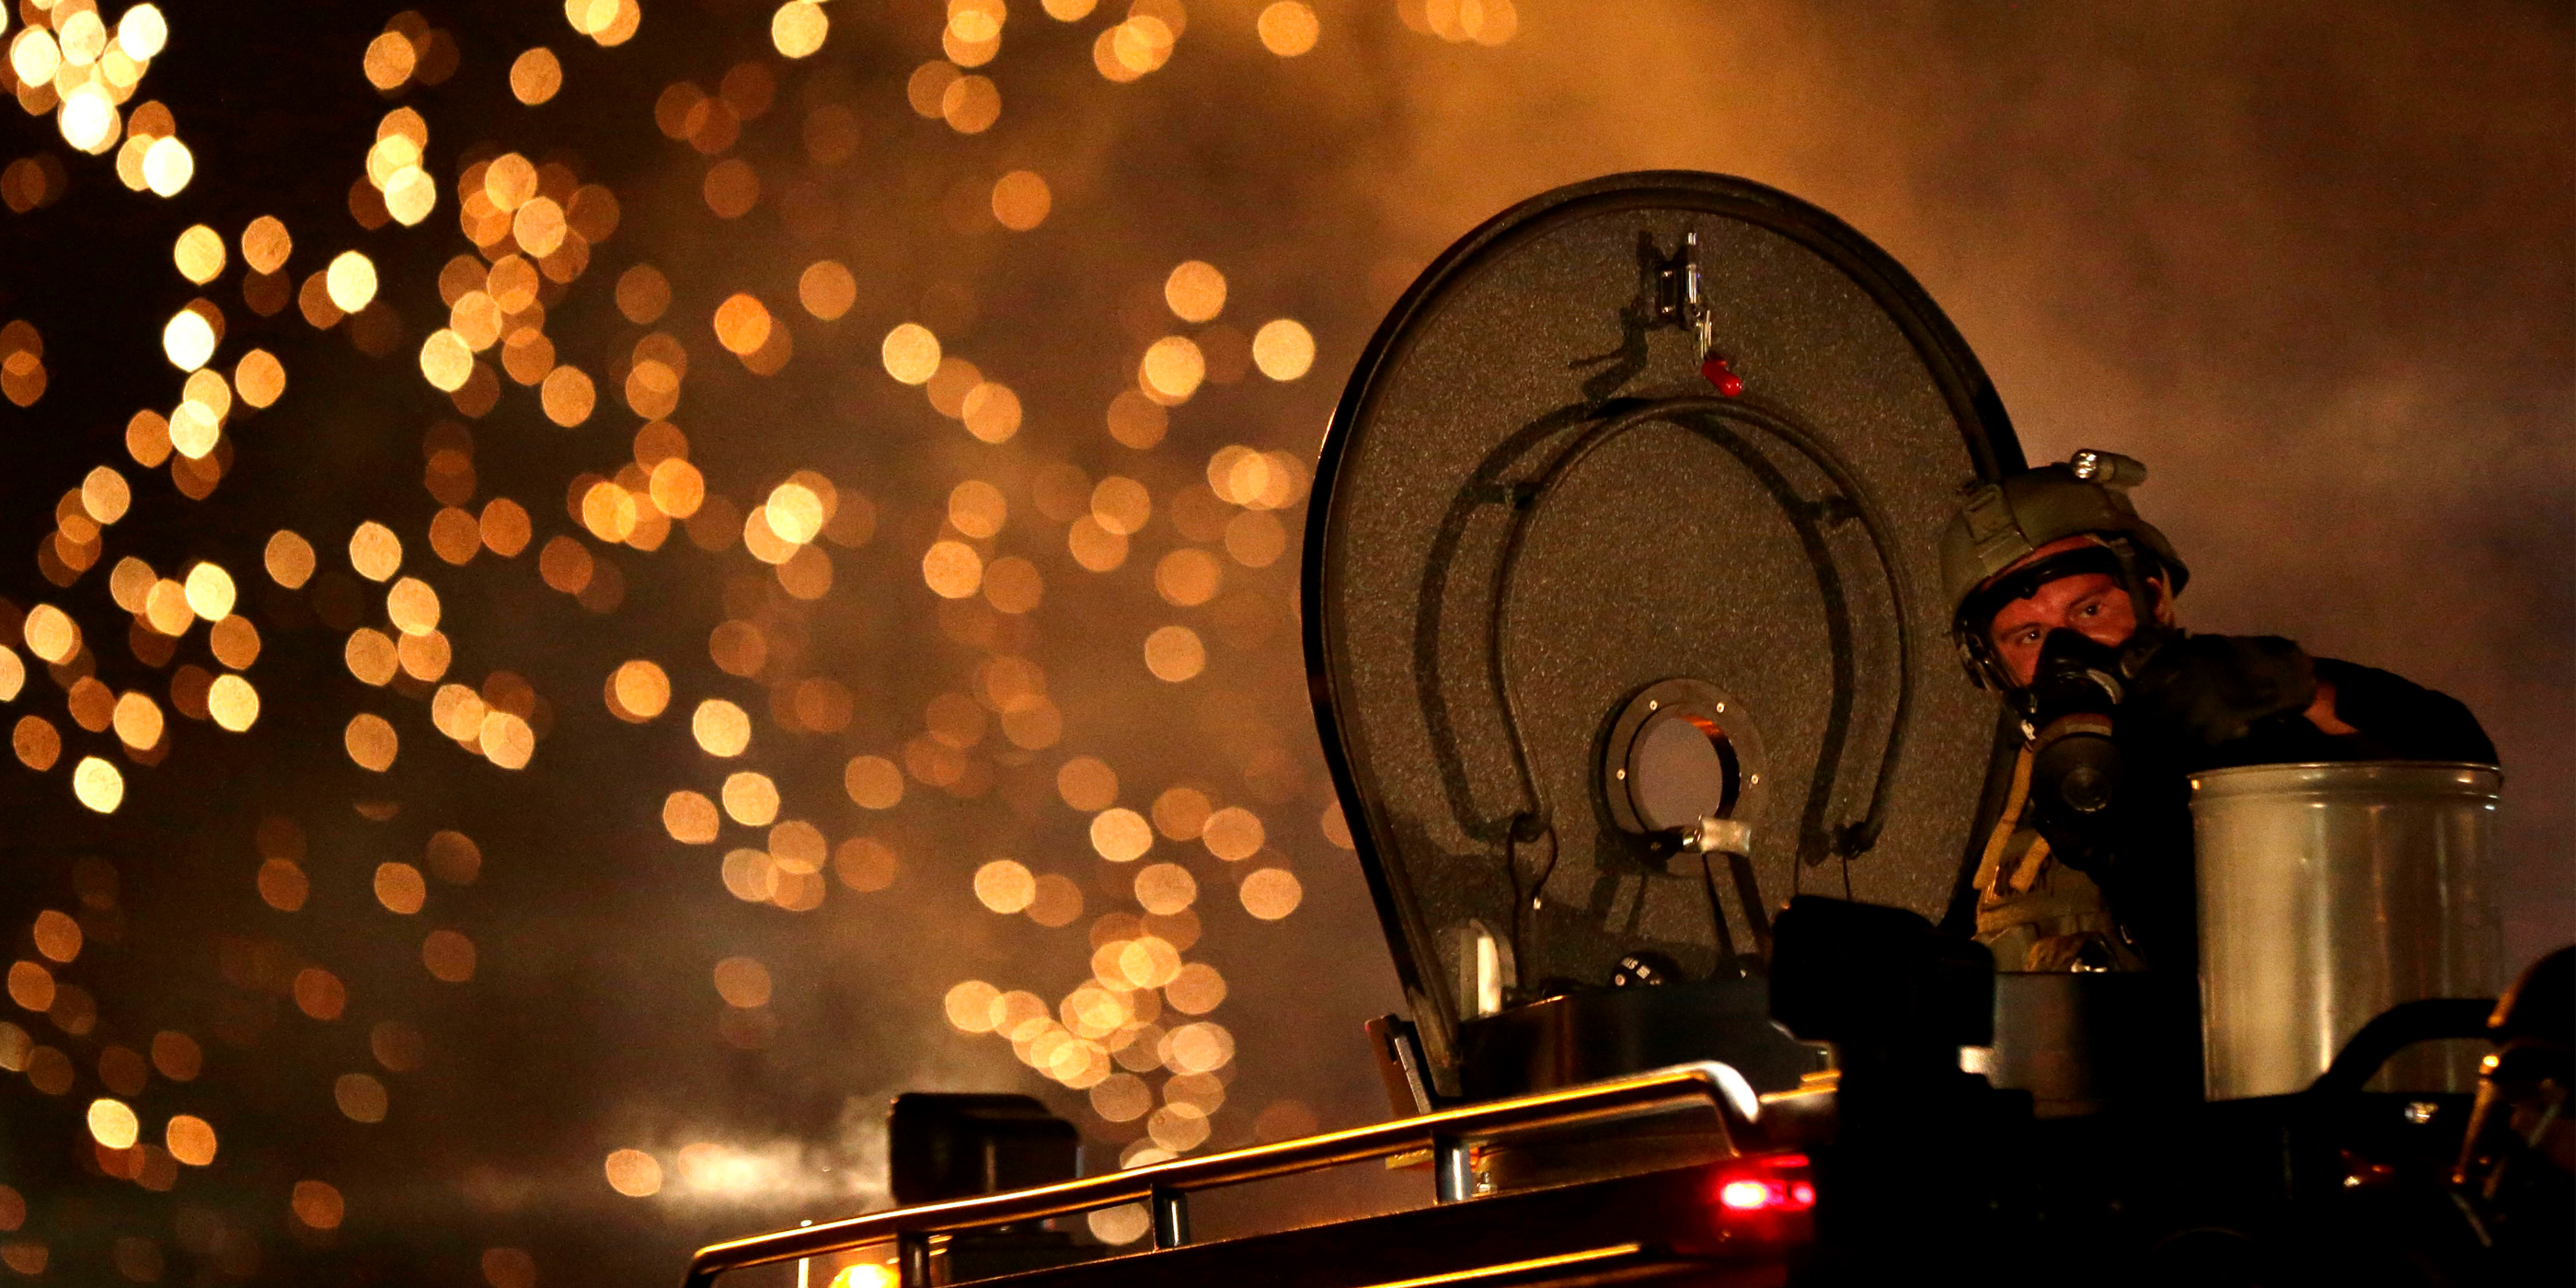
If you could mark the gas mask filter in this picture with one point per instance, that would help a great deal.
(2068, 709)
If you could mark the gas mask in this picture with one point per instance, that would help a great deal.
(2068, 710)
(2073, 694)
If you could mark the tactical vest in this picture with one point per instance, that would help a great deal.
(2035, 913)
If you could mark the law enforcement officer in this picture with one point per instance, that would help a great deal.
(2063, 605)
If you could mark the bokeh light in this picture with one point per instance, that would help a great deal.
(1283, 349)
(168, 165)
(317, 1205)
(1005, 886)
(374, 551)
(536, 76)
(1271, 893)
(1172, 370)
(1121, 835)
(371, 741)
(1175, 654)
(189, 1139)
(112, 1124)
(1288, 28)
(351, 281)
(798, 28)
(721, 728)
(750, 798)
(911, 353)
(1022, 200)
(1195, 291)
(633, 1173)
(98, 784)
(188, 340)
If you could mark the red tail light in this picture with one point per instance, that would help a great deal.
(1767, 1183)
(1758, 1205)
(1748, 1196)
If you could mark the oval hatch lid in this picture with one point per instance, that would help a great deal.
(1536, 503)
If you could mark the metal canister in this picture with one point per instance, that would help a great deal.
(2329, 893)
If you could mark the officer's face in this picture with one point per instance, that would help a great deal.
(2091, 603)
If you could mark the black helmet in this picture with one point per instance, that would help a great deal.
(2004, 523)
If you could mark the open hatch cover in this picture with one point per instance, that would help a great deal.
(1572, 611)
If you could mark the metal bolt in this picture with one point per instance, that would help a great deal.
(1754, 779)
(1623, 775)
(1721, 708)
(1652, 704)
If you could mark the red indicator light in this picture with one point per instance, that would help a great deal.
(1744, 1196)
(1774, 1185)
(1765, 1200)
(1715, 370)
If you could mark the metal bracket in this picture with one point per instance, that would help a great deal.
(912, 1257)
(1171, 1211)
(1453, 1169)
(1681, 293)
(1400, 1066)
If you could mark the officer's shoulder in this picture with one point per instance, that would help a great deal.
(2358, 679)
(2425, 722)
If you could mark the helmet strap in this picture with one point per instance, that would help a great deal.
(2151, 633)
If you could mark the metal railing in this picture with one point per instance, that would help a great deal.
(1164, 1187)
